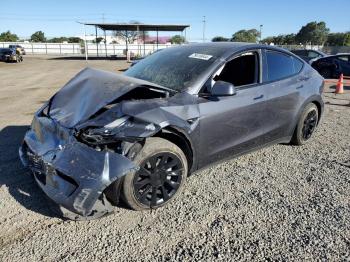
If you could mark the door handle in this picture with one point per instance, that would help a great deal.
(258, 97)
(304, 78)
(298, 87)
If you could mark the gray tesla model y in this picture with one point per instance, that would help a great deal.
(137, 136)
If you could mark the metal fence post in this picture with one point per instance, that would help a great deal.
(46, 47)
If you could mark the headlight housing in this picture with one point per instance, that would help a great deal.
(124, 128)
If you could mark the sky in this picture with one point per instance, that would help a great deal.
(223, 17)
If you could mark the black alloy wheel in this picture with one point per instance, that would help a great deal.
(306, 125)
(310, 123)
(158, 179)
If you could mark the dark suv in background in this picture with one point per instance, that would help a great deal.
(308, 55)
(10, 55)
(333, 66)
(19, 49)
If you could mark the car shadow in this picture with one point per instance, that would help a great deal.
(345, 87)
(333, 104)
(123, 70)
(19, 181)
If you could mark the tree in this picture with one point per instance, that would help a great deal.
(268, 40)
(130, 36)
(38, 36)
(98, 40)
(8, 37)
(314, 33)
(281, 39)
(177, 39)
(58, 39)
(219, 39)
(65, 39)
(246, 36)
(289, 39)
(338, 39)
(74, 39)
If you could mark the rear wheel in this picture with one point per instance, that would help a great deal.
(306, 125)
(162, 174)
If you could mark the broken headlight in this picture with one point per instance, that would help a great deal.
(124, 128)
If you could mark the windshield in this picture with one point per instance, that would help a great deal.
(176, 68)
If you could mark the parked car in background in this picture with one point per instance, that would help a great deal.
(18, 48)
(10, 55)
(309, 55)
(333, 66)
(137, 136)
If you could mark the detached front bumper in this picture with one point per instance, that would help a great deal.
(71, 173)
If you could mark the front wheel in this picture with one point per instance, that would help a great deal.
(306, 125)
(162, 174)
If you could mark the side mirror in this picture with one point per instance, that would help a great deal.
(222, 88)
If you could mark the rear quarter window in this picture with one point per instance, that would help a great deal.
(280, 65)
(298, 65)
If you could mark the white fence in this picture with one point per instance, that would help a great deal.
(119, 49)
(47, 48)
(92, 49)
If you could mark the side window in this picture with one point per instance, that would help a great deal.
(298, 65)
(240, 71)
(343, 58)
(279, 65)
(313, 54)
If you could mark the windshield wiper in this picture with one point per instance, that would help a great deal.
(163, 89)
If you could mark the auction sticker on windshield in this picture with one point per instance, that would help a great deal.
(200, 56)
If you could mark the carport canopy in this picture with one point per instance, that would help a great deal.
(135, 27)
(138, 27)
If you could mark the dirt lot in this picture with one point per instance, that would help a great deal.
(280, 203)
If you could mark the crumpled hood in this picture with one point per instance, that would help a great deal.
(87, 92)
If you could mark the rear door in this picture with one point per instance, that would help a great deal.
(344, 64)
(282, 83)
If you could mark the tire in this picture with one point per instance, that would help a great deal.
(306, 125)
(162, 175)
(326, 73)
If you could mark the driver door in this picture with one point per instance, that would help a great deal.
(232, 125)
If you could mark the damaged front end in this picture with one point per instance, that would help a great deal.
(71, 173)
(82, 140)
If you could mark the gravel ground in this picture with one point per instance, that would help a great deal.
(279, 203)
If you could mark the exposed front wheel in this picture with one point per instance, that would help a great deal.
(306, 125)
(162, 174)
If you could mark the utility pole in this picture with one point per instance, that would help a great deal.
(204, 28)
(261, 26)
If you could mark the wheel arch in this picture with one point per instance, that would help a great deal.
(319, 109)
(179, 138)
(319, 104)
